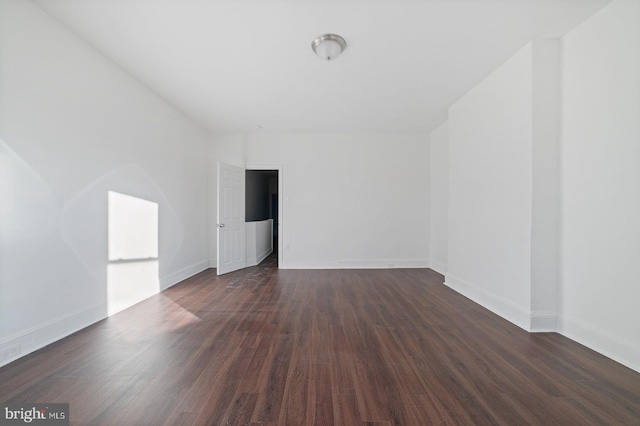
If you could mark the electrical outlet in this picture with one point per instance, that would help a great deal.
(9, 352)
(391, 265)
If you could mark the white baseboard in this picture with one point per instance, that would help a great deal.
(382, 264)
(624, 351)
(41, 335)
(439, 267)
(358, 264)
(182, 274)
(502, 307)
(263, 256)
(543, 322)
(44, 334)
(253, 261)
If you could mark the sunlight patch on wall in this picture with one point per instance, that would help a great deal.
(133, 268)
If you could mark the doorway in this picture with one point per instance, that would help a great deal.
(262, 201)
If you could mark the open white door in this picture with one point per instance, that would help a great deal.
(230, 233)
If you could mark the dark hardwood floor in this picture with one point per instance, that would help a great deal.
(343, 347)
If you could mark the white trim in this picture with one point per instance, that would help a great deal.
(439, 267)
(44, 334)
(498, 305)
(543, 322)
(46, 324)
(624, 351)
(263, 256)
(382, 264)
(253, 261)
(308, 265)
(358, 264)
(182, 274)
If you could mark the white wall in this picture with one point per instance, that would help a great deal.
(601, 182)
(546, 183)
(74, 126)
(490, 189)
(544, 155)
(258, 237)
(439, 156)
(349, 200)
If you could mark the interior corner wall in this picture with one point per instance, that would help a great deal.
(546, 185)
(350, 200)
(600, 174)
(490, 191)
(74, 126)
(439, 157)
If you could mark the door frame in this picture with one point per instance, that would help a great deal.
(281, 203)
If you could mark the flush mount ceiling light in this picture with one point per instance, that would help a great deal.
(328, 46)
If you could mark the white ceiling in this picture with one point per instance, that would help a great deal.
(235, 65)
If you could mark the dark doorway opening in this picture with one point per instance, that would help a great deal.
(261, 199)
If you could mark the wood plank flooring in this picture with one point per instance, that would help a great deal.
(331, 347)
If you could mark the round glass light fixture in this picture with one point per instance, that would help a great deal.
(328, 46)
